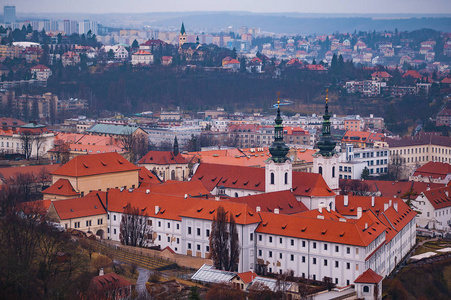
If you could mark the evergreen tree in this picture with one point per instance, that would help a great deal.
(135, 44)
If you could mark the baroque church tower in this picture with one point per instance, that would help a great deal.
(182, 36)
(278, 168)
(325, 161)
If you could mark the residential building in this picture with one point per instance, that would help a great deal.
(435, 208)
(119, 52)
(110, 286)
(168, 165)
(362, 139)
(436, 172)
(87, 214)
(41, 72)
(354, 161)
(98, 172)
(142, 57)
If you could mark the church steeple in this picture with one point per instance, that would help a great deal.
(182, 30)
(326, 144)
(182, 36)
(278, 149)
(176, 147)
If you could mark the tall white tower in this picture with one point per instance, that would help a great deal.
(278, 168)
(325, 161)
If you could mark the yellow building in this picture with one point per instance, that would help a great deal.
(98, 172)
(87, 214)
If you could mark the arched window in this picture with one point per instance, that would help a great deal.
(286, 177)
(320, 170)
(272, 178)
(236, 195)
(333, 172)
(366, 289)
(172, 175)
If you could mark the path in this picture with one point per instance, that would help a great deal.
(141, 281)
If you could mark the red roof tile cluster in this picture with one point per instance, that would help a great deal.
(412, 73)
(162, 158)
(40, 68)
(369, 276)
(146, 178)
(207, 210)
(418, 140)
(95, 164)
(247, 277)
(153, 42)
(142, 52)
(433, 170)
(381, 74)
(34, 207)
(439, 198)
(284, 201)
(341, 232)
(249, 178)
(61, 187)
(193, 188)
(109, 282)
(89, 205)
(362, 137)
(8, 174)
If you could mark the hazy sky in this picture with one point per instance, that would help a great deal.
(303, 6)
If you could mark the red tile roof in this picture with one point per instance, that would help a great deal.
(326, 213)
(147, 178)
(433, 170)
(439, 198)
(109, 282)
(41, 68)
(249, 178)
(412, 73)
(142, 52)
(162, 158)
(362, 136)
(61, 187)
(285, 201)
(446, 80)
(95, 164)
(207, 209)
(193, 188)
(369, 276)
(89, 205)
(11, 173)
(421, 139)
(40, 206)
(381, 74)
(169, 206)
(247, 277)
(349, 233)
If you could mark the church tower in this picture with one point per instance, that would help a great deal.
(278, 168)
(175, 149)
(325, 161)
(182, 36)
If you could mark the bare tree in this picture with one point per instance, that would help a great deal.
(27, 140)
(62, 151)
(224, 244)
(396, 167)
(134, 230)
(39, 141)
(135, 143)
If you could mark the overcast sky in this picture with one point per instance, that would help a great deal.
(302, 6)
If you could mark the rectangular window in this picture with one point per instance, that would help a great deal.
(270, 239)
(280, 240)
(114, 230)
(260, 238)
(280, 255)
(207, 248)
(114, 217)
(348, 250)
(314, 245)
(303, 259)
(189, 230)
(169, 239)
(259, 252)
(348, 266)
(178, 226)
(325, 247)
(88, 223)
(325, 262)
(159, 237)
(208, 232)
(169, 225)
(292, 242)
(198, 231)
(292, 257)
(159, 223)
(178, 241)
(314, 261)
(270, 254)
(336, 264)
(149, 222)
(99, 221)
(336, 248)
(251, 237)
(198, 247)
(303, 244)
(189, 245)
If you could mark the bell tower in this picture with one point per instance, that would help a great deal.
(325, 161)
(278, 168)
(182, 36)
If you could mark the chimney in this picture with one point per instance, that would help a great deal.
(276, 210)
(147, 191)
(372, 201)
(389, 202)
(342, 220)
(345, 200)
(366, 225)
(359, 212)
(395, 206)
(101, 273)
(258, 209)
(186, 196)
(157, 209)
(320, 209)
(385, 206)
(217, 198)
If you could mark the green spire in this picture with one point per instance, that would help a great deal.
(278, 149)
(182, 31)
(326, 144)
(197, 40)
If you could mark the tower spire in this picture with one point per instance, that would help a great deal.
(176, 146)
(278, 149)
(326, 144)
